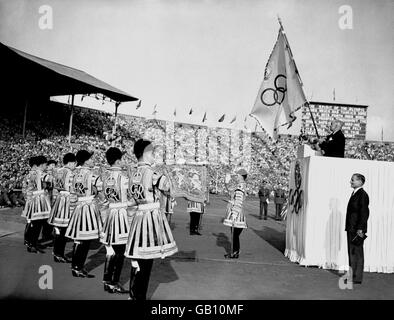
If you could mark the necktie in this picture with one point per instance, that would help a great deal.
(352, 193)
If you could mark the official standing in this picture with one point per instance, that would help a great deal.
(357, 214)
(264, 194)
(196, 209)
(279, 199)
(334, 144)
(235, 214)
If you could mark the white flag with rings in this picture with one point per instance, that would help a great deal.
(281, 93)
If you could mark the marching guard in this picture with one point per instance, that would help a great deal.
(63, 206)
(114, 188)
(85, 223)
(235, 215)
(150, 235)
(49, 179)
(196, 210)
(38, 206)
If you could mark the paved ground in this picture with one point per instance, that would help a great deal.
(197, 271)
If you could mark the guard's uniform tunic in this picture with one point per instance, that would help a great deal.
(114, 184)
(37, 205)
(85, 222)
(65, 202)
(65, 198)
(235, 215)
(113, 187)
(150, 235)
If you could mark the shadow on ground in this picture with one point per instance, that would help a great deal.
(223, 241)
(163, 272)
(275, 238)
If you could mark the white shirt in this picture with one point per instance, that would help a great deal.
(355, 190)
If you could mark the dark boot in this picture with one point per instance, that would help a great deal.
(133, 273)
(119, 259)
(26, 240)
(36, 227)
(84, 250)
(75, 258)
(108, 273)
(141, 281)
(59, 245)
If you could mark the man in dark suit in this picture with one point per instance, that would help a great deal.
(334, 144)
(357, 214)
(264, 194)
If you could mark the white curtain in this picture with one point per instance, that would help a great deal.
(316, 235)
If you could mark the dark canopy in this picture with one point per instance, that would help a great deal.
(28, 75)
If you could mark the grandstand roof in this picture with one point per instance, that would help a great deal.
(30, 75)
(354, 105)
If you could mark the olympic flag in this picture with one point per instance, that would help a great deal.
(281, 93)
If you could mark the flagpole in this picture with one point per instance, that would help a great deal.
(298, 75)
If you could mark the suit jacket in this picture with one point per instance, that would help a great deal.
(334, 146)
(357, 212)
(264, 193)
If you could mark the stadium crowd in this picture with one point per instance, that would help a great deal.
(47, 133)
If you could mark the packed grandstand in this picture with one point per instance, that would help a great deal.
(220, 149)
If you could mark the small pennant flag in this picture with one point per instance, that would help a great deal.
(221, 118)
(138, 105)
(235, 118)
(205, 117)
(191, 111)
(154, 110)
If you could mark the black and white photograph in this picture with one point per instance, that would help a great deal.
(223, 151)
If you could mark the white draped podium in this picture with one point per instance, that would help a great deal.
(320, 191)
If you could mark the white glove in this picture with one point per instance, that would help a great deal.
(110, 250)
(57, 230)
(135, 265)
